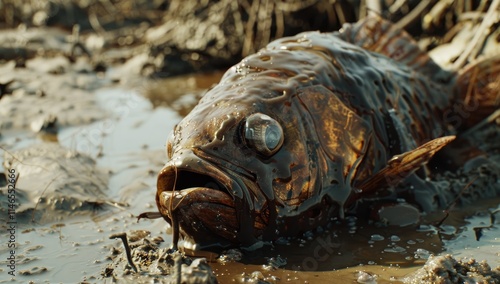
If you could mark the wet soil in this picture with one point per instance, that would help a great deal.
(122, 154)
(86, 137)
(127, 149)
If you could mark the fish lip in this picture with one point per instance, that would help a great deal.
(168, 175)
(184, 172)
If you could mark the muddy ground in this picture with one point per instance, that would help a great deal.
(89, 92)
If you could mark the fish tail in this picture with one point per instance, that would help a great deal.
(478, 89)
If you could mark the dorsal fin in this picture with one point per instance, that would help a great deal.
(378, 35)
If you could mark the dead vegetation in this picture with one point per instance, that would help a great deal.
(185, 36)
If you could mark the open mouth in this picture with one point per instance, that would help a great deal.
(199, 199)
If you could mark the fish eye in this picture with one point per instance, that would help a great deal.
(263, 133)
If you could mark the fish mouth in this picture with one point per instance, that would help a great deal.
(201, 199)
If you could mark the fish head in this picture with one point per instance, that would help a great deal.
(239, 164)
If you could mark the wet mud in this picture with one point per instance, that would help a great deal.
(83, 124)
(56, 179)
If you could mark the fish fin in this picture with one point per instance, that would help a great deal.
(378, 35)
(403, 165)
(478, 86)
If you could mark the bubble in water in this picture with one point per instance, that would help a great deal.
(395, 238)
(395, 249)
(377, 237)
(448, 230)
(422, 253)
(309, 235)
(276, 262)
(282, 241)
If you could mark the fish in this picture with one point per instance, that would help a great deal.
(299, 133)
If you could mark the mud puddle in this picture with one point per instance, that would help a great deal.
(366, 253)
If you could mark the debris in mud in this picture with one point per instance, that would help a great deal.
(154, 263)
(230, 255)
(54, 181)
(366, 278)
(256, 277)
(46, 128)
(446, 269)
(28, 103)
(33, 271)
(480, 231)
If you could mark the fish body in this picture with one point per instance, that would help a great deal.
(297, 133)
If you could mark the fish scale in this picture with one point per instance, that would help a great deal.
(380, 90)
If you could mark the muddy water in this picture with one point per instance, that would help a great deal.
(128, 144)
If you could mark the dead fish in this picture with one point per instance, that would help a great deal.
(300, 132)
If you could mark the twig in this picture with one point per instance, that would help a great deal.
(178, 268)
(123, 237)
(492, 117)
(479, 230)
(340, 12)
(396, 6)
(454, 202)
(413, 15)
(480, 35)
(21, 162)
(94, 23)
(149, 215)
(373, 7)
(41, 195)
(252, 14)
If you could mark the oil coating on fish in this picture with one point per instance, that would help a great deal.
(299, 132)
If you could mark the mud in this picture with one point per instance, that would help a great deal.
(150, 262)
(54, 182)
(84, 126)
(446, 269)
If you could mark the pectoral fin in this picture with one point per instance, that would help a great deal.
(401, 166)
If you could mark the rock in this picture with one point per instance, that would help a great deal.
(46, 124)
